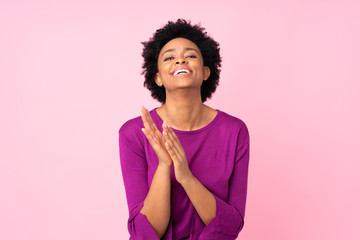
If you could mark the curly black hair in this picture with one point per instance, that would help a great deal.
(181, 28)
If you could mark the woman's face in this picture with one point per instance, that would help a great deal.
(181, 65)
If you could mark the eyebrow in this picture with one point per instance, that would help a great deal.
(186, 49)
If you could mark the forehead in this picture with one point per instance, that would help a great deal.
(179, 43)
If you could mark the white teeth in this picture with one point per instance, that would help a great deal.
(181, 70)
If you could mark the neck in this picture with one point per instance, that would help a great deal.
(184, 112)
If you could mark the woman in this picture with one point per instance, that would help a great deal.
(184, 164)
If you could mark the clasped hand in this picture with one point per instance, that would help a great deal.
(167, 146)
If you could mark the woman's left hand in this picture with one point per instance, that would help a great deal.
(177, 154)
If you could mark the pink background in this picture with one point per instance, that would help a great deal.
(70, 77)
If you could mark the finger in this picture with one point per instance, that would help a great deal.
(150, 121)
(172, 145)
(176, 144)
(144, 118)
(170, 134)
(148, 132)
(174, 156)
(173, 136)
(152, 135)
(171, 152)
(148, 136)
(151, 131)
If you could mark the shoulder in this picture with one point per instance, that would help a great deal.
(130, 125)
(235, 124)
(131, 132)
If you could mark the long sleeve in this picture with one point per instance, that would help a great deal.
(230, 213)
(218, 156)
(135, 176)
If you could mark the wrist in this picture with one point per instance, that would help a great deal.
(188, 180)
(164, 167)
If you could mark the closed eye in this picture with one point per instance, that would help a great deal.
(168, 58)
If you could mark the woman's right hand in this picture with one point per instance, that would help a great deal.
(155, 138)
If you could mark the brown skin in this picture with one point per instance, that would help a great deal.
(157, 202)
(183, 110)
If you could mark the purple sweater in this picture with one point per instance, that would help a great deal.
(218, 156)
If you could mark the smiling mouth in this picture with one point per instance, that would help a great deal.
(181, 72)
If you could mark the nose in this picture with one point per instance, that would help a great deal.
(180, 60)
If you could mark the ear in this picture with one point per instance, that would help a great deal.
(158, 79)
(206, 72)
